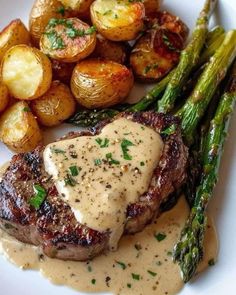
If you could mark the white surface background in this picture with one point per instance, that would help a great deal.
(217, 280)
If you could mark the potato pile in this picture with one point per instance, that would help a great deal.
(78, 53)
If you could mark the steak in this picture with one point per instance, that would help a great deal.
(53, 226)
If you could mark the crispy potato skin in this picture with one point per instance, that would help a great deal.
(70, 49)
(118, 24)
(158, 50)
(22, 82)
(19, 129)
(41, 12)
(62, 71)
(15, 33)
(107, 49)
(98, 83)
(55, 106)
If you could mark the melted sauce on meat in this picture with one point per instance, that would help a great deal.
(99, 176)
(141, 265)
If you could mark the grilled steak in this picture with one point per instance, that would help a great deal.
(53, 226)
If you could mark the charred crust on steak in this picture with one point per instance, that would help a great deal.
(54, 226)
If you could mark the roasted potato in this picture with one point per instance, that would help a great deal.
(118, 20)
(26, 71)
(158, 50)
(42, 11)
(68, 40)
(151, 6)
(98, 83)
(62, 71)
(171, 22)
(55, 106)
(4, 97)
(106, 49)
(15, 33)
(81, 7)
(19, 129)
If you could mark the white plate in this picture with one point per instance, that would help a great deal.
(219, 279)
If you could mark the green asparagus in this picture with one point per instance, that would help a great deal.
(189, 250)
(188, 59)
(197, 103)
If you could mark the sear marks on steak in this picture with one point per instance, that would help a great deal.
(54, 227)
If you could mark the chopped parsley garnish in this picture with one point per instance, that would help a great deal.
(55, 40)
(61, 10)
(129, 285)
(69, 180)
(169, 130)
(102, 143)
(74, 170)
(107, 12)
(136, 276)
(211, 262)
(153, 274)
(121, 264)
(150, 67)
(142, 163)
(26, 109)
(93, 281)
(110, 159)
(168, 43)
(89, 268)
(97, 162)
(124, 146)
(169, 253)
(160, 237)
(40, 194)
(58, 151)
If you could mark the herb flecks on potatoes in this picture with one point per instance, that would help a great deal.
(41, 12)
(68, 40)
(118, 20)
(158, 50)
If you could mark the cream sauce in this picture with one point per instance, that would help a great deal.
(142, 264)
(99, 176)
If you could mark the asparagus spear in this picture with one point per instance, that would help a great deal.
(189, 250)
(214, 34)
(214, 73)
(188, 59)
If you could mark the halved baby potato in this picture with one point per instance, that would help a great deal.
(19, 129)
(158, 50)
(26, 71)
(98, 83)
(68, 40)
(107, 49)
(81, 7)
(4, 97)
(55, 106)
(15, 33)
(41, 12)
(118, 20)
